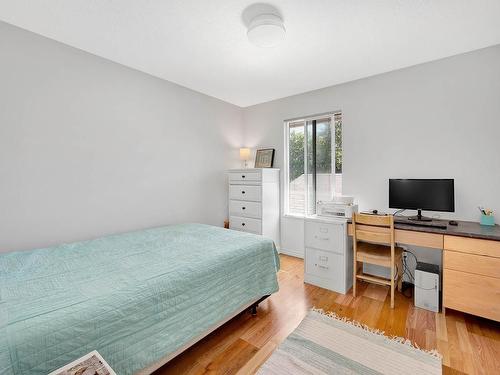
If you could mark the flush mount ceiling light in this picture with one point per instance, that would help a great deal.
(266, 30)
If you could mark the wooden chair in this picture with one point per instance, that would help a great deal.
(373, 243)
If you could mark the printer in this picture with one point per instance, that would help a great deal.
(341, 206)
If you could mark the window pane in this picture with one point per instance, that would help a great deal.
(325, 178)
(338, 153)
(310, 174)
(314, 162)
(297, 183)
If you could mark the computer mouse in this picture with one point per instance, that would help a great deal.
(452, 222)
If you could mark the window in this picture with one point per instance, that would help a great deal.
(314, 162)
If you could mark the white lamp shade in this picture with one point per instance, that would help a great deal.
(245, 154)
(266, 30)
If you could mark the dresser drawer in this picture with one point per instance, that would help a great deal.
(474, 294)
(245, 224)
(245, 192)
(478, 264)
(325, 236)
(241, 177)
(472, 246)
(325, 265)
(245, 209)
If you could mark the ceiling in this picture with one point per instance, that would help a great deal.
(202, 44)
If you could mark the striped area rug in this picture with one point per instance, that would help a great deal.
(328, 344)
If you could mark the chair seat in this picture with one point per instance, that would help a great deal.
(377, 254)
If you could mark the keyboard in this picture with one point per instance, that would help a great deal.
(425, 224)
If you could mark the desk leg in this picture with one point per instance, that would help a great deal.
(443, 309)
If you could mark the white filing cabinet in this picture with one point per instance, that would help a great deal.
(328, 258)
(254, 201)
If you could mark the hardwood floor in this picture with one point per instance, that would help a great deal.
(468, 344)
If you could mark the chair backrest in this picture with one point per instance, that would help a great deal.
(373, 228)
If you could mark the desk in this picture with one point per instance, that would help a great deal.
(471, 263)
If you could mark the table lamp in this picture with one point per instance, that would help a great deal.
(245, 155)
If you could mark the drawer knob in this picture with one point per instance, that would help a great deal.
(243, 192)
(243, 208)
(242, 176)
(243, 224)
(322, 238)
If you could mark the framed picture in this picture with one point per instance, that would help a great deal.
(264, 158)
(92, 364)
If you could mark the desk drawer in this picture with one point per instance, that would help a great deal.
(245, 224)
(325, 236)
(245, 209)
(478, 264)
(474, 294)
(241, 177)
(245, 193)
(472, 246)
(409, 237)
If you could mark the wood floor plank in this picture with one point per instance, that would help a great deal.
(456, 354)
(430, 339)
(463, 336)
(232, 359)
(220, 341)
(486, 354)
(443, 349)
(441, 331)
(468, 344)
(393, 321)
(260, 357)
(376, 292)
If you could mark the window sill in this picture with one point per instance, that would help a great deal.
(294, 216)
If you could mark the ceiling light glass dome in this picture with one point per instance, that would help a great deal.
(266, 30)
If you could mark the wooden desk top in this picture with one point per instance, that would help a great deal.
(463, 229)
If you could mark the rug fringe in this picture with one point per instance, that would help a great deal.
(375, 331)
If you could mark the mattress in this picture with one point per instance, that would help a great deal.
(133, 297)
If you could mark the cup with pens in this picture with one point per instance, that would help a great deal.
(487, 217)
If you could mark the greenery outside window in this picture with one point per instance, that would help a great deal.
(314, 162)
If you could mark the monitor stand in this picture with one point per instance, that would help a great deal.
(419, 217)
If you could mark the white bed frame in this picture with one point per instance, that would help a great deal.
(155, 366)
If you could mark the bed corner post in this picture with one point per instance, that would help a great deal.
(253, 308)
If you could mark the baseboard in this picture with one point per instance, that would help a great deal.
(293, 253)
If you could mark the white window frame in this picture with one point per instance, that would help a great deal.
(286, 138)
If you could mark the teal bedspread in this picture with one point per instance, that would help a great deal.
(133, 297)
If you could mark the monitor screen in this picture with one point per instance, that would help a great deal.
(423, 194)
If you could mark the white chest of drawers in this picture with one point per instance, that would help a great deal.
(328, 260)
(254, 204)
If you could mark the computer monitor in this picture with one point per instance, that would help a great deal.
(422, 194)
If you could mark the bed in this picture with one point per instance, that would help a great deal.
(137, 298)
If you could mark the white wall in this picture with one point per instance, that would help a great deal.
(89, 147)
(440, 119)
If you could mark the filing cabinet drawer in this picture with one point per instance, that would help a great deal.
(245, 224)
(326, 265)
(245, 192)
(245, 209)
(241, 177)
(325, 236)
